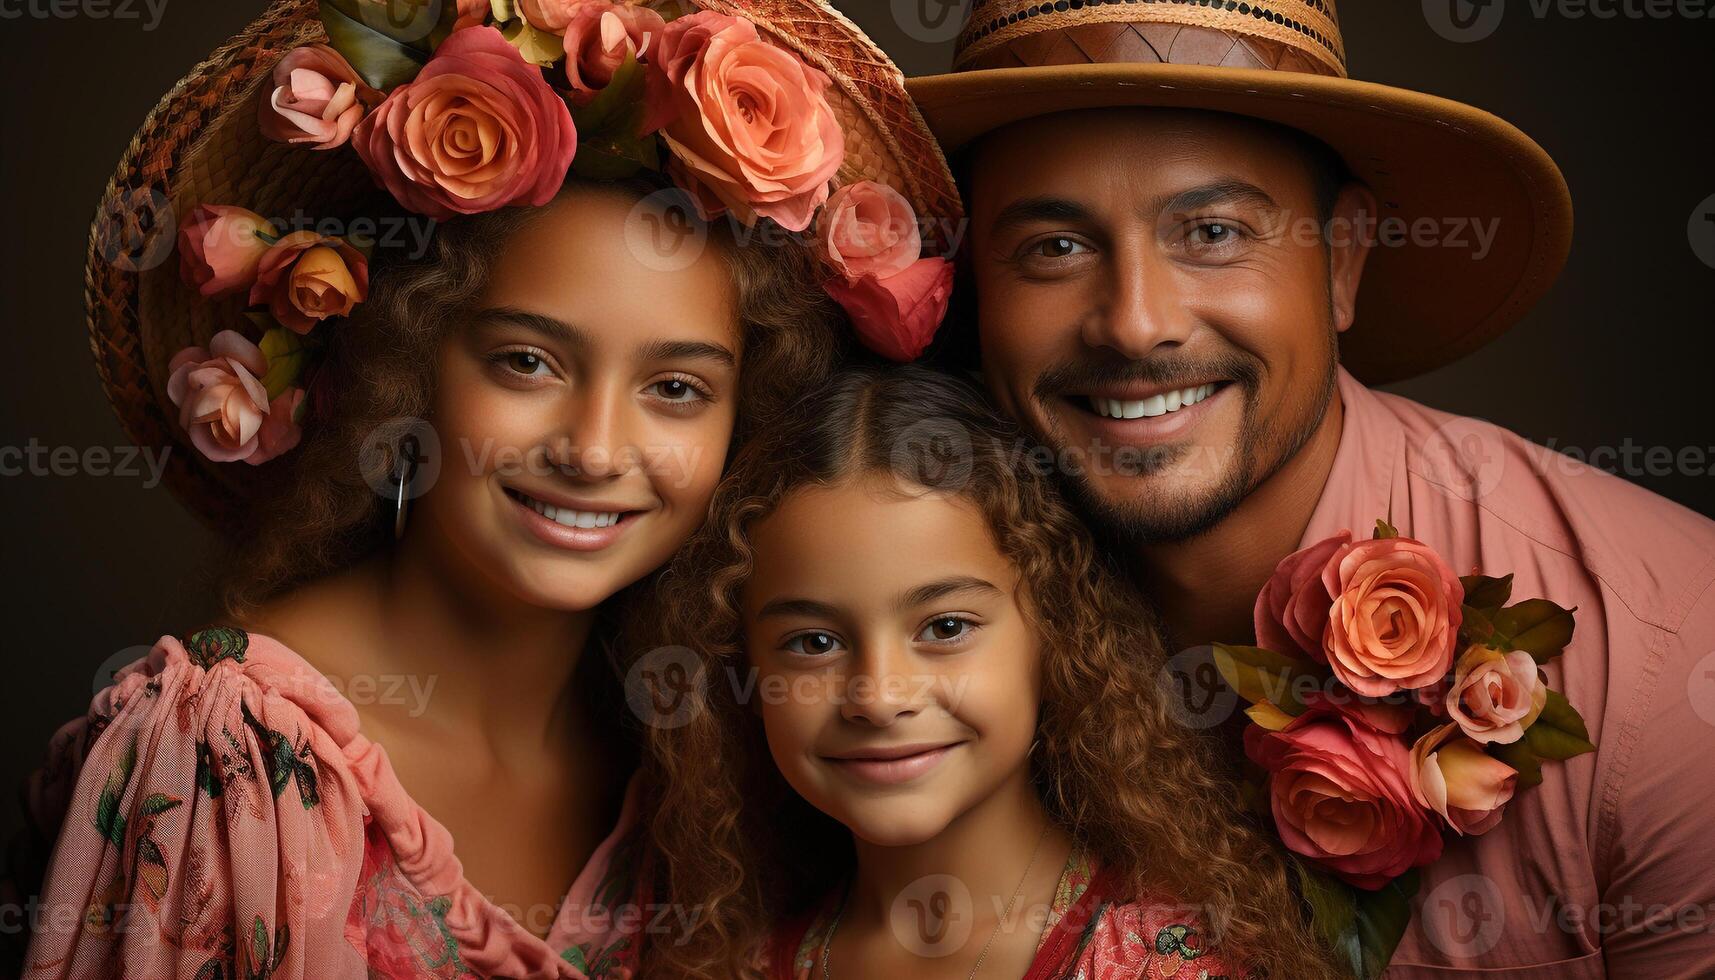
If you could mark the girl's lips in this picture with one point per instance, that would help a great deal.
(558, 535)
(893, 769)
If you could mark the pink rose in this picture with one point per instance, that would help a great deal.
(1291, 614)
(471, 13)
(315, 99)
(1495, 696)
(222, 403)
(897, 317)
(477, 129)
(752, 131)
(599, 37)
(868, 229)
(220, 246)
(1453, 776)
(1394, 622)
(1340, 790)
(551, 15)
(306, 278)
(280, 432)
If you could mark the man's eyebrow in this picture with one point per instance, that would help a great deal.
(808, 608)
(679, 350)
(1033, 210)
(1219, 192)
(931, 591)
(576, 338)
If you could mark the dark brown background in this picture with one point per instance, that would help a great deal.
(1619, 352)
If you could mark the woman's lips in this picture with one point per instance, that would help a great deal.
(552, 532)
(892, 766)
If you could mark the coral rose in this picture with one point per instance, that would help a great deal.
(1291, 613)
(868, 229)
(1453, 776)
(752, 131)
(599, 37)
(1340, 790)
(1495, 696)
(897, 317)
(477, 129)
(315, 99)
(222, 403)
(306, 278)
(551, 15)
(1394, 621)
(220, 247)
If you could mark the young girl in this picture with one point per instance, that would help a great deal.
(929, 739)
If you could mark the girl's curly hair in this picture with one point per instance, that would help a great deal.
(1115, 766)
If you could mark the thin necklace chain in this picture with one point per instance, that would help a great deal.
(828, 944)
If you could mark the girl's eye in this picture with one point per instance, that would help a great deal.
(526, 363)
(813, 644)
(943, 629)
(1058, 247)
(677, 390)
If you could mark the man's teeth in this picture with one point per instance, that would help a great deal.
(1155, 405)
(572, 518)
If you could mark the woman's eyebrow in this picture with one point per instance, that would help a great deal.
(956, 585)
(680, 350)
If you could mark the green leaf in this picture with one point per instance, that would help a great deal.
(156, 803)
(503, 10)
(287, 354)
(1475, 626)
(617, 110)
(1536, 626)
(1522, 758)
(1381, 921)
(1333, 914)
(1263, 675)
(383, 61)
(259, 945)
(1384, 530)
(1559, 732)
(1486, 593)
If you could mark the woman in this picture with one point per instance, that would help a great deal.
(502, 434)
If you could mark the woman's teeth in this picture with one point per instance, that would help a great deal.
(572, 518)
(1150, 407)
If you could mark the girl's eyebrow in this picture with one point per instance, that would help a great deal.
(796, 607)
(578, 339)
(955, 585)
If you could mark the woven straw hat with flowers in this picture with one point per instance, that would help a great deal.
(776, 110)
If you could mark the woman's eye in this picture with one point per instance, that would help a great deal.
(676, 390)
(944, 628)
(1058, 247)
(813, 644)
(526, 363)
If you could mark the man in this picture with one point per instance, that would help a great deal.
(1193, 242)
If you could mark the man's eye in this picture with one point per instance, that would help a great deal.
(813, 644)
(944, 628)
(1213, 233)
(1058, 247)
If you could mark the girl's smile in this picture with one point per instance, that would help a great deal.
(889, 765)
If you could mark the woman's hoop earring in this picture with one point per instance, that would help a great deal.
(404, 471)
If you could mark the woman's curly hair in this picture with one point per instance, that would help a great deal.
(378, 375)
(1115, 767)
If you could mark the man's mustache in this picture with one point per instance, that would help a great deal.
(1167, 370)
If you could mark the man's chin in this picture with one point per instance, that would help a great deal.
(1157, 508)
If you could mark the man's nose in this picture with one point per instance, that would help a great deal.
(1142, 309)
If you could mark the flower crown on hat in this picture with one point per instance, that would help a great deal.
(492, 107)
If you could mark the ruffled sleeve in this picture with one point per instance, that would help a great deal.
(209, 827)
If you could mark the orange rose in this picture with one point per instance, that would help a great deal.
(1453, 776)
(220, 247)
(599, 37)
(315, 99)
(223, 406)
(868, 229)
(308, 277)
(752, 131)
(478, 129)
(897, 317)
(1395, 617)
(1495, 696)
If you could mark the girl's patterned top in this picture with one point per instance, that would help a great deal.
(1087, 935)
(220, 816)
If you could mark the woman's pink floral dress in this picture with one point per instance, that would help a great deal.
(220, 817)
(1087, 935)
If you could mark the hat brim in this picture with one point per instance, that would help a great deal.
(1426, 299)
